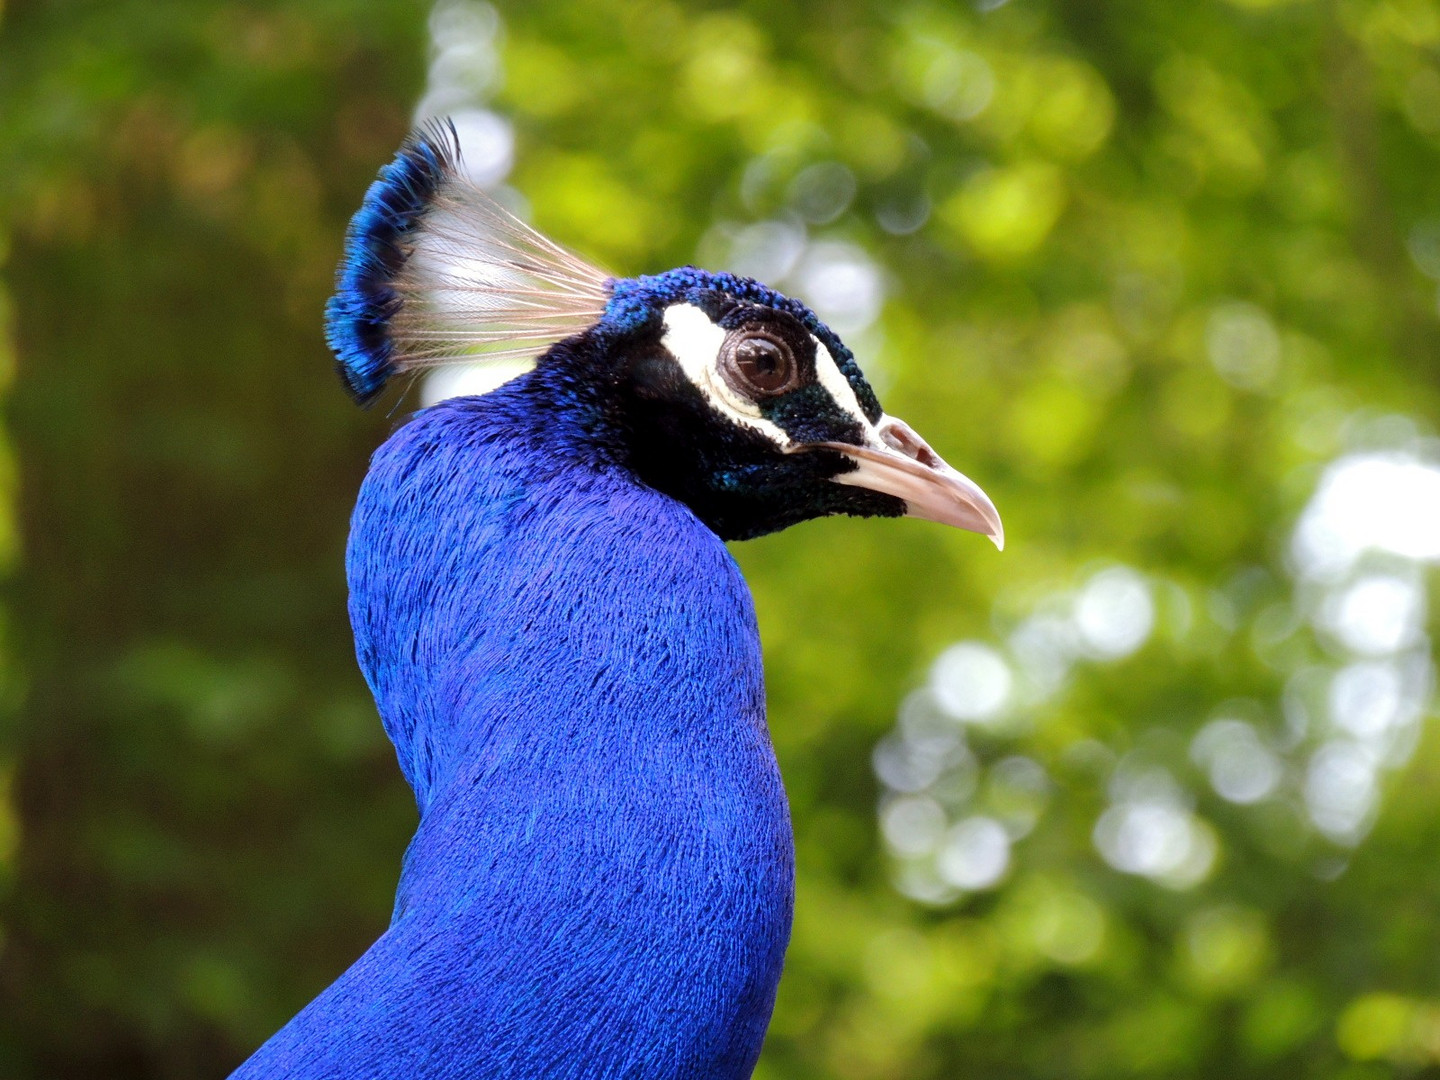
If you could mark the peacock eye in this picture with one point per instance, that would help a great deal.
(757, 364)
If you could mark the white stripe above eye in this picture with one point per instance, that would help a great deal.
(827, 370)
(694, 340)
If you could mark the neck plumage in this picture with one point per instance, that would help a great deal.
(567, 662)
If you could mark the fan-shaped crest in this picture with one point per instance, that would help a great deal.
(435, 271)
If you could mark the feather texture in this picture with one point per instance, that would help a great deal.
(435, 272)
(567, 662)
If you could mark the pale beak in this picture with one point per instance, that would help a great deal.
(906, 467)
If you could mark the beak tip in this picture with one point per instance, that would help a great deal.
(900, 464)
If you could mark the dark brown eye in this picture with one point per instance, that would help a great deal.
(758, 365)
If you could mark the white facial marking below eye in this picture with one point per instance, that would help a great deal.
(827, 370)
(694, 340)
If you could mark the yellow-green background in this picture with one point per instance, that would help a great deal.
(200, 820)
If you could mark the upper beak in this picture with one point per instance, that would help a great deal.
(906, 467)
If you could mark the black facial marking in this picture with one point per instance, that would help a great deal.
(733, 476)
(810, 415)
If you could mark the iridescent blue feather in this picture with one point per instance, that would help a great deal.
(357, 317)
(435, 272)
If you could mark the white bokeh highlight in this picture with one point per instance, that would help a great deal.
(842, 283)
(1114, 613)
(1387, 502)
(1240, 766)
(1243, 345)
(1377, 614)
(972, 682)
(1348, 638)
(975, 855)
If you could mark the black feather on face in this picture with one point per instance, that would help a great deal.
(740, 403)
(728, 446)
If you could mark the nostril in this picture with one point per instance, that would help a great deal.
(899, 436)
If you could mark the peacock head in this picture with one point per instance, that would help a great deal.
(713, 388)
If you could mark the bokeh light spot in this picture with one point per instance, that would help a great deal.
(1114, 613)
(1241, 768)
(972, 682)
(976, 854)
(1243, 345)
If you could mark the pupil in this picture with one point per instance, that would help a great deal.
(757, 364)
(760, 360)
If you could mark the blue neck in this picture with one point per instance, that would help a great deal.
(567, 662)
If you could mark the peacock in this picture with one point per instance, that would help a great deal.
(563, 650)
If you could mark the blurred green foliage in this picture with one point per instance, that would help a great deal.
(1147, 270)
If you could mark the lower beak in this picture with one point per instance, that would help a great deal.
(904, 466)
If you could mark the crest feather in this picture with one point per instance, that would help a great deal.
(435, 272)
